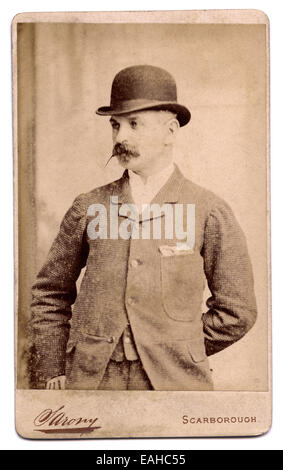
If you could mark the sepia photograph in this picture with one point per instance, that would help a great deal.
(142, 229)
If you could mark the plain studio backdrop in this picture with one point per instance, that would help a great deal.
(65, 72)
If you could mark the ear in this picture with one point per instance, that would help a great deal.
(173, 127)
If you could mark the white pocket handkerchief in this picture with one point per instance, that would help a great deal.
(175, 250)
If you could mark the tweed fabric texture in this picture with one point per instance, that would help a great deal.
(130, 281)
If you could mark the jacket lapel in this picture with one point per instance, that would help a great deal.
(122, 190)
(169, 193)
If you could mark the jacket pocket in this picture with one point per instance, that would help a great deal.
(197, 349)
(70, 347)
(92, 352)
(182, 284)
(70, 350)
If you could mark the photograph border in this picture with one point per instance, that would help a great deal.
(155, 423)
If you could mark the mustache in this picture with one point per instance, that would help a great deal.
(125, 150)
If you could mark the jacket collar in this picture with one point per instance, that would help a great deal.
(169, 193)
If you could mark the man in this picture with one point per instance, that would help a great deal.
(137, 322)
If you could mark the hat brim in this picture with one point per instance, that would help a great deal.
(182, 113)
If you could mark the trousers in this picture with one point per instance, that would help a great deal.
(125, 375)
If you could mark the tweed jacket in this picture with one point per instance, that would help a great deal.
(132, 281)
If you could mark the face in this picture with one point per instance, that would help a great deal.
(140, 138)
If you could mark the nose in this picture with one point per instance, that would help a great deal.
(122, 134)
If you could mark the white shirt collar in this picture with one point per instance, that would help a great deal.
(159, 178)
(143, 193)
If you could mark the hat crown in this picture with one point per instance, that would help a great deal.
(143, 82)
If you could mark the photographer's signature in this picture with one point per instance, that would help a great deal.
(57, 422)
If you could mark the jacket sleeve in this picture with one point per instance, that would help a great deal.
(54, 291)
(232, 305)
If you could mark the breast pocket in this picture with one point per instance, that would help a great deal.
(182, 282)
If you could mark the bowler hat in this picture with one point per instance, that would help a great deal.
(144, 87)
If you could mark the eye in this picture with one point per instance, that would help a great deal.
(115, 125)
(133, 124)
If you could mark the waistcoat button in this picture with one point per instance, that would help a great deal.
(134, 263)
(131, 301)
